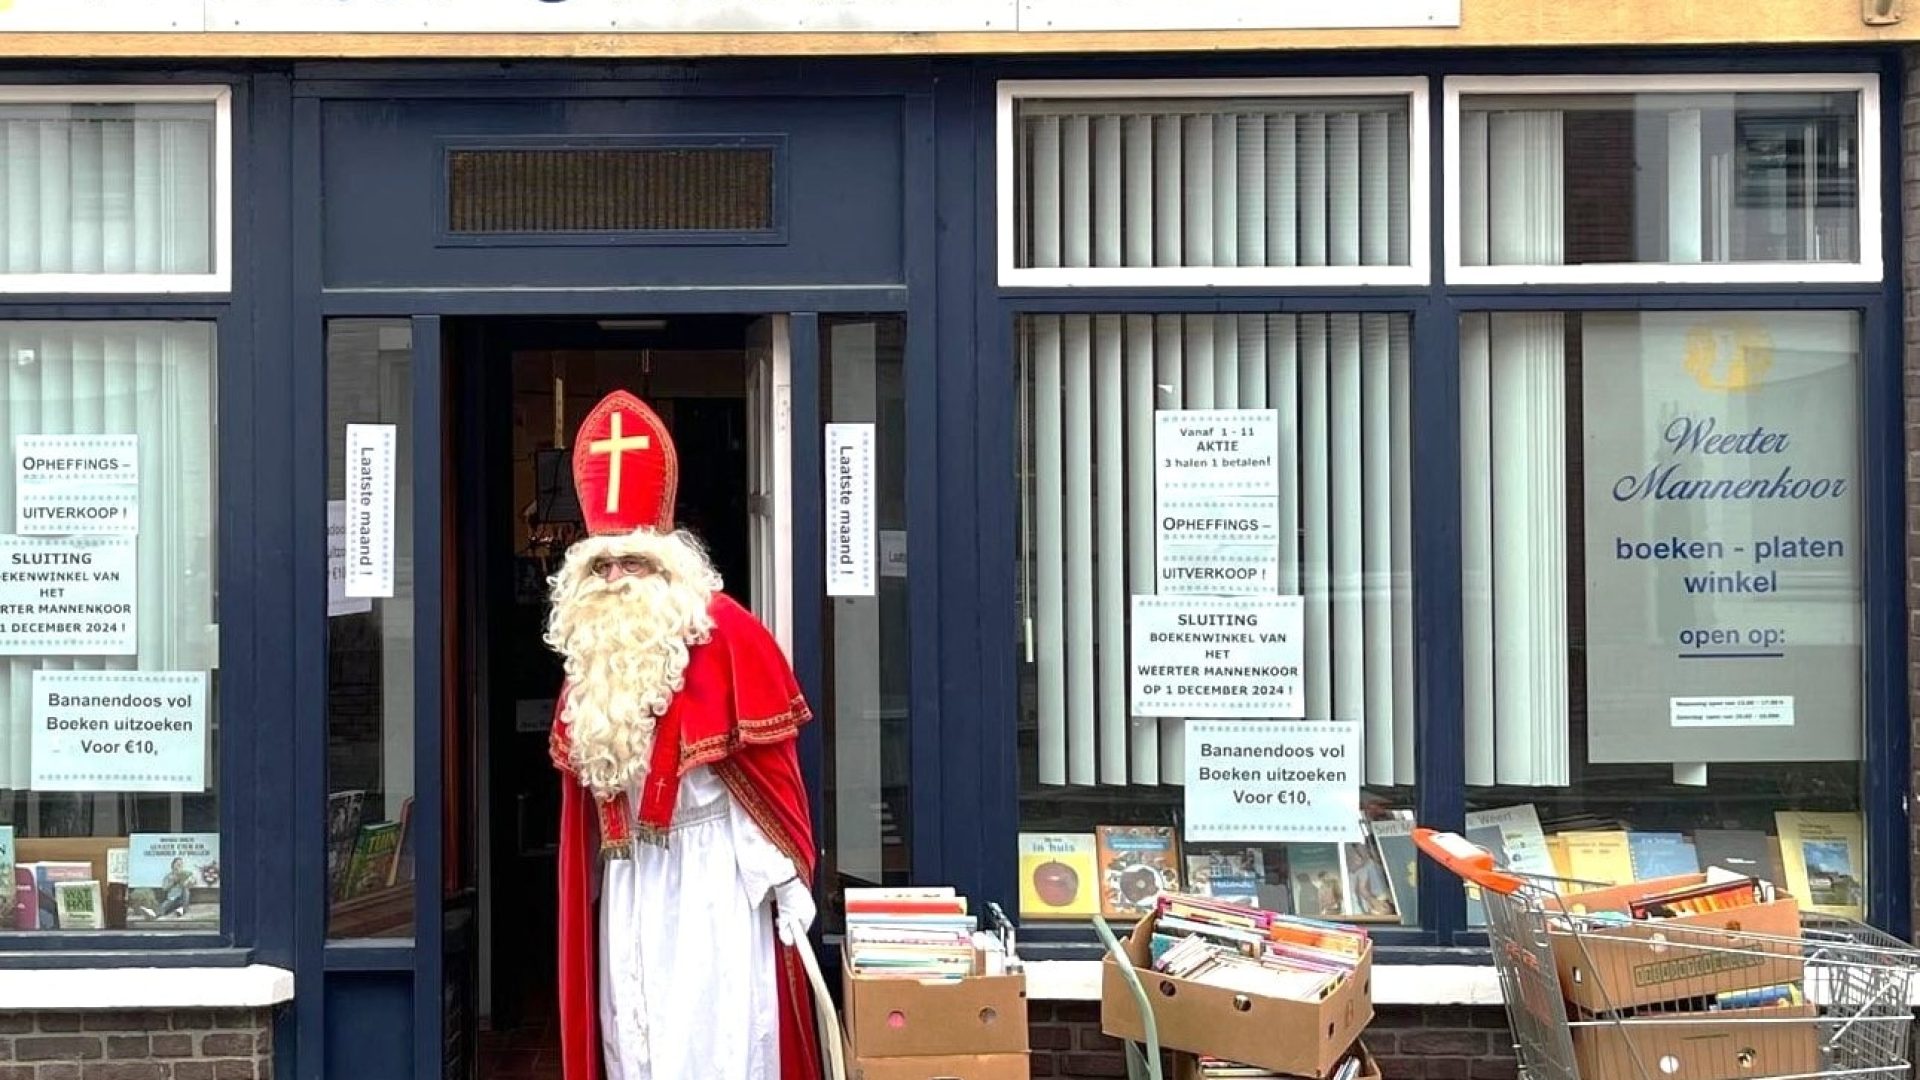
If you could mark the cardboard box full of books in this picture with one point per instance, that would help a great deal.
(902, 1016)
(1722, 1045)
(1196, 1067)
(1297, 1037)
(1625, 962)
(947, 1067)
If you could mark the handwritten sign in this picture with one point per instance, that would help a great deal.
(1273, 781)
(67, 596)
(68, 484)
(120, 731)
(369, 507)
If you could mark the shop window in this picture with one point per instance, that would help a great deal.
(868, 802)
(370, 641)
(114, 189)
(1204, 182)
(1216, 552)
(1662, 179)
(1662, 567)
(109, 779)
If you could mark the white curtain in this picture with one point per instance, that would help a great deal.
(1514, 459)
(129, 194)
(1093, 383)
(1194, 183)
(154, 380)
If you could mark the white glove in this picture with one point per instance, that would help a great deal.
(793, 910)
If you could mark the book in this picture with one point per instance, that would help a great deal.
(1137, 864)
(80, 905)
(1369, 893)
(114, 898)
(344, 810)
(1699, 899)
(1599, 859)
(1059, 877)
(1394, 837)
(47, 876)
(1661, 854)
(1318, 880)
(1233, 875)
(7, 859)
(173, 877)
(1824, 868)
(1522, 841)
(373, 857)
(26, 905)
(1742, 851)
(403, 862)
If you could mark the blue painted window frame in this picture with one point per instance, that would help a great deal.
(1435, 311)
(247, 760)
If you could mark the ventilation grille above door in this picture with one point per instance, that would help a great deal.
(631, 191)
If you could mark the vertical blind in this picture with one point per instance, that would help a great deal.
(106, 189)
(154, 380)
(1144, 183)
(1514, 460)
(1092, 384)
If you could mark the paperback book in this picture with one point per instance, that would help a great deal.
(1059, 877)
(173, 878)
(1137, 864)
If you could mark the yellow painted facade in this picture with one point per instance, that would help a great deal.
(1484, 23)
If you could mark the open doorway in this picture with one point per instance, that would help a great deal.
(522, 387)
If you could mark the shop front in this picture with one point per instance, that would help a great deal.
(1163, 471)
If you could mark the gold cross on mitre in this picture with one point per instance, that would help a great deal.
(617, 446)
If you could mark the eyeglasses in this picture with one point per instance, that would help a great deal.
(630, 565)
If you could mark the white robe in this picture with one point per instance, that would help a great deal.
(688, 971)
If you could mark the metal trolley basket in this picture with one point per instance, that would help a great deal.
(1597, 996)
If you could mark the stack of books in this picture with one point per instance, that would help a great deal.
(1213, 1068)
(1218, 943)
(910, 933)
(1722, 891)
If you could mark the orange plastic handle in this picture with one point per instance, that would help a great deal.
(1467, 859)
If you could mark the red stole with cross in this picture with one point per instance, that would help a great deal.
(739, 713)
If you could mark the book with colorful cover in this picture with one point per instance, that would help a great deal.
(47, 876)
(1599, 858)
(1232, 875)
(80, 904)
(1319, 882)
(1059, 876)
(26, 904)
(173, 877)
(1661, 854)
(1369, 893)
(1137, 864)
(373, 857)
(1825, 867)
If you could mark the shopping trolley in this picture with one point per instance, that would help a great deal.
(1601, 996)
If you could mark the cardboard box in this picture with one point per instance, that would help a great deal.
(1650, 961)
(1702, 1046)
(1299, 1038)
(945, 1067)
(981, 1015)
(1187, 1066)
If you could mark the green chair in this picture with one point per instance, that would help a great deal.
(1143, 1062)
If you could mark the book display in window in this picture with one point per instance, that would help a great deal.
(173, 879)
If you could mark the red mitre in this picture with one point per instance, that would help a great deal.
(625, 471)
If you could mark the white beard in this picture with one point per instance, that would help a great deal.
(626, 644)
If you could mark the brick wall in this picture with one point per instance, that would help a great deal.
(1410, 1042)
(185, 1044)
(1910, 231)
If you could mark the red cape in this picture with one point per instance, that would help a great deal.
(739, 713)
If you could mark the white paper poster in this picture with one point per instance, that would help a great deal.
(120, 731)
(72, 484)
(68, 596)
(1217, 515)
(1218, 656)
(1273, 781)
(370, 483)
(338, 602)
(850, 510)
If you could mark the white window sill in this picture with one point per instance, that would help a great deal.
(1401, 984)
(256, 986)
